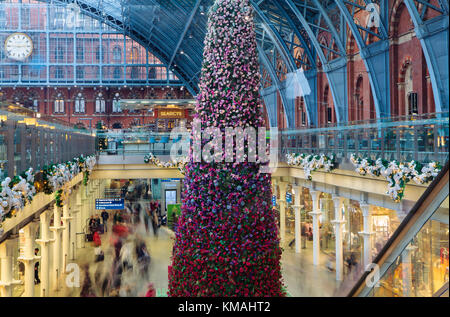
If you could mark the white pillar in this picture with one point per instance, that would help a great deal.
(57, 259)
(316, 234)
(29, 259)
(7, 280)
(407, 270)
(282, 202)
(298, 225)
(66, 237)
(44, 242)
(338, 226)
(73, 230)
(79, 218)
(366, 234)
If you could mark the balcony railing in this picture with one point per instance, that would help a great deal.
(423, 138)
(32, 142)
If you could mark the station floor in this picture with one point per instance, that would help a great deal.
(300, 276)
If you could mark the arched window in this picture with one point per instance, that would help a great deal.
(134, 57)
(58, 104)
(410, 95)
(117, 74)
(80, 103)
(100, 104)
(358, 112)
(117, 54)
(116, 103)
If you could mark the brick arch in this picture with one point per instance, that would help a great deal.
(394, 22)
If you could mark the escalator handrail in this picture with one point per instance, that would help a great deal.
(419, 208)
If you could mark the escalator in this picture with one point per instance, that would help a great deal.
(415, 260)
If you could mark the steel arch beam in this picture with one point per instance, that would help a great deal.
(335, 70)
(433, 36)
(289, 61)
(376, 59)
(140, 38)
(272, 108)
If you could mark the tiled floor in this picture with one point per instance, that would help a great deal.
(300, 276)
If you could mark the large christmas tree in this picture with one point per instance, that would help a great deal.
(227, 239)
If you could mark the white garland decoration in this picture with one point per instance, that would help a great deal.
(397, 174)
(310, 162)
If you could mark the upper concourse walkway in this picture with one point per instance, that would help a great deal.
(97, 108)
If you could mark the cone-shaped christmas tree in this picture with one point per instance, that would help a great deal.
(227, 239)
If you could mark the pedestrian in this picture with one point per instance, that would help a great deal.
(96, 239)
(86, 289)
(105, 217)
(155, 222)
(36, 269)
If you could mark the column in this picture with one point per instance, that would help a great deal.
(407, 270)
(44, 242)
(66, 236)
(338, 223)
(366, 234)
(73, 226)
(56, 229)
(282, 202)
(79, 218)
(316, 235)
(7, 280)
(29, 259)
(298, 225)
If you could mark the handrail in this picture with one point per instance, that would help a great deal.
(410, 226)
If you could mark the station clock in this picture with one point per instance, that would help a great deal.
(18, 46)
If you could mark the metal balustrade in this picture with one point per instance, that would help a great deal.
(30, 142)
(422, 138)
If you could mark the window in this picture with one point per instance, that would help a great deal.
(59, 104)
(412, 103)
(80, 73)
(25, 16)
(98, 54)
(152, 73)
(134, 57)
(117, 54)
(134, 74)
(80, 104)
(116, 103)
(329, 114)
(59, 73)
(117, 74)
(2, 19)
(100, 104)
(80, 53)
(59, 53)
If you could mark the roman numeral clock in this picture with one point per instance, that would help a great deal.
(18, 46)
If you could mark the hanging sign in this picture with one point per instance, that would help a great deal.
(274, 200)
(108, 204)
(289, 198)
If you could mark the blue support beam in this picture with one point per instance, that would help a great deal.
(335, 70)
(433, 36)
(290, 119)
(376, 60)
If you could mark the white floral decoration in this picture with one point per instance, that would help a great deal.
(311, 162)
(397, 174)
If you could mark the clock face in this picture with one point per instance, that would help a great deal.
(18, 46)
